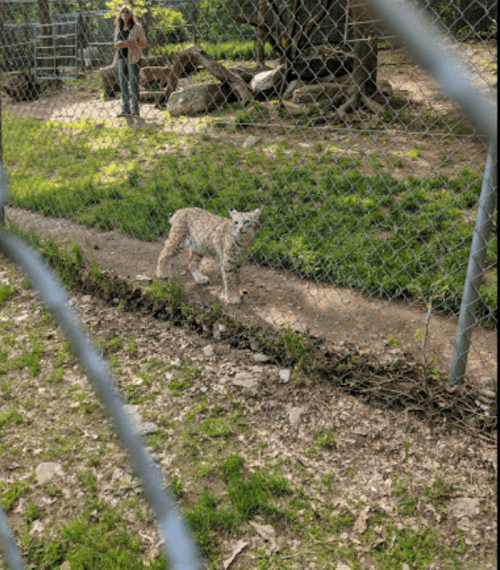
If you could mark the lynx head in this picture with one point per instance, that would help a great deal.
(245, 222)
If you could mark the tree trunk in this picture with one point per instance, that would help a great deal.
(260, 42)
(48, 51)
(365, 61)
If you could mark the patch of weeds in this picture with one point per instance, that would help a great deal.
(393, 341)
(132, 347)
(403, 491)
(10, 416)
(350, 472)
(418, 549)
(176, 487)
(296, 348)
(189, 438)
(6, 292)
(30, 356)
(325, 438)
(413, 153)
(438, 493)
(182, 378)
(91, 541)
(32, 512)
(215, 427)
(10, 493)
(56, 376)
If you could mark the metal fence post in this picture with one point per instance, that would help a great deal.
(13, 556)
(475, 269)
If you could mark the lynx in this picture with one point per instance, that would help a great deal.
(206, 234)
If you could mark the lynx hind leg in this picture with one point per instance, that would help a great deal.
(164, 267)
(194, 265)
(231, 278)
(173, 245)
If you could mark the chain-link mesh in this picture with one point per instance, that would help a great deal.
(368, 176)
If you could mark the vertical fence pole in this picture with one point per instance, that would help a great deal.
(2, 181)
(475, 269)
(13, 556)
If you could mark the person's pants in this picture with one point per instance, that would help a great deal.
(128, 74)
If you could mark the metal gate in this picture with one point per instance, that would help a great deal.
(56, 50)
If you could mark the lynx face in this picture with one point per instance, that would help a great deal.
(206, 234)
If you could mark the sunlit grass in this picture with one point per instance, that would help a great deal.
(323, 217)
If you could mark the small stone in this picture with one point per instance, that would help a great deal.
(285, 375)
(208, 350)
(250, 141)
(245, 380)
(143, 278)
(203, 389)
(219, 330)
(147, 427)
(295, 414)
(141, 427)
(260, 357)
(464, 507)
(47, 471)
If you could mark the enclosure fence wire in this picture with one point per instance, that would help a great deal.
(458, 81)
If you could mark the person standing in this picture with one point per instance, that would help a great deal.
(129, 41)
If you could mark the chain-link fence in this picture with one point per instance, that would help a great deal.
(374, 187)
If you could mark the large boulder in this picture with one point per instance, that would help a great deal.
(199, 99)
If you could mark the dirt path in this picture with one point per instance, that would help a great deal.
(280, 299)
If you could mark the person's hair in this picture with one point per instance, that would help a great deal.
(119, 21)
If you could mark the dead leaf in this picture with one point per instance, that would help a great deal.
(237, 548)
(360, 525)
(268, 533)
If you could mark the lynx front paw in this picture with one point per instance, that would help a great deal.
(161, 273)
(233, 298)
(200, 278)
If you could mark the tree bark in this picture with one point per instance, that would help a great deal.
(48, 60)
(262, 33)
(365, 62)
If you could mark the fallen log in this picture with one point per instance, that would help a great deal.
(196, 55)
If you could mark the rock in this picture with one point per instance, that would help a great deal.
(285, 375)
(208, 350)
(219, 330)
(250, 141)
(143, 278)
(260, 357)
(292, 86)
(198, 99)
(110, 82)
(47, 471)
(295, 415)
(141, 427)
(65, 566)
(245, 380)
(267, 82)
(464, 507)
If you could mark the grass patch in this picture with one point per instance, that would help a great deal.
(323, 218)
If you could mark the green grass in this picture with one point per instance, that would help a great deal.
(323, 218)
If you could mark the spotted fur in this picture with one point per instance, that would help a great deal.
(209, 235)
